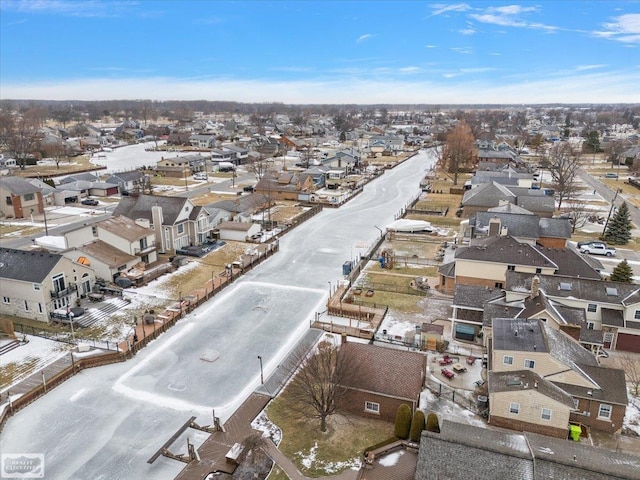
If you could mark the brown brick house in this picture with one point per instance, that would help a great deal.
(390, 378)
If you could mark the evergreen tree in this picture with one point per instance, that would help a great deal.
(417, 425)
(622, 272)
(619, 228)
(403, 421)
(433, 424)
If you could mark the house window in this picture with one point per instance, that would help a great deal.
(8, 199)
(26, 306)
(608, 337)
(511, 268)
(590, 325)
(498, 285)
(40, 308)
(604, 412)
(59, 283)
(529, 364)
(28, 197)
(545, 414)
(122, 267)
(636, 315)
(36, 286)
(372, 407)
(180, 228)
(592, 307)
(507, 360)
(514, 408)
(94, 231)
(6, 300)
(538, 270)
(576, 403)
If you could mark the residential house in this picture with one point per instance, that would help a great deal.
(388, 378)
(177, 223)
(522, 225)
(468, 452)
(202, 141)
(565, 381)
(493, 194)
(485, 261)
(237, 231)
(175, 167)
(82, 188)
(239, 155)
(612, 308)
(35, 283)
(285, 185)
(19, 198)
(126, 181)
(389, 143)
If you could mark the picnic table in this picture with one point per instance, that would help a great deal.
(459, 368)
(447, 373)
(446, 360)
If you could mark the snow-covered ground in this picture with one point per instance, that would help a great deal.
(127, 411)
(33, 354)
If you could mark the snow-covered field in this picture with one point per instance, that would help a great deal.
(127, 411)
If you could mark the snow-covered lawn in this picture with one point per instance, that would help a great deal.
(29, 357)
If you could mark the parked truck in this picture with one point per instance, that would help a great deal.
(598, 249)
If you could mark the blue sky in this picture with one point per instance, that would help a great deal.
(322, 52)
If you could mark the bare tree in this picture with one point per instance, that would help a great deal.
(615, 152)
(578, 214)
(18, 134)
(563, 163)
(457, 151)
(320, 381)
(631, 365)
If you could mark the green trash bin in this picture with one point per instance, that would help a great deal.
(575, 432)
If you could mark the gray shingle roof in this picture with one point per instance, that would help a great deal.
(527, 380)
(18, 186)
(140, 207)
(612, 383)
(519, 334)
(570, 263)
(26, 266)
(566, 350)
(505, 250)
(466, 452)
(474, 295)
(487, 195)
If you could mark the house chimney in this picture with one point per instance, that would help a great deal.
(157, 219)
(535, 287)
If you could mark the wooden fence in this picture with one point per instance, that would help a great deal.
(64, 374)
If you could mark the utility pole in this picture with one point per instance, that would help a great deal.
(613, 205)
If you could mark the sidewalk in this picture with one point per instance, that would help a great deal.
(292, 471)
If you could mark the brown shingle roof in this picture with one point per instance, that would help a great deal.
(388, 371)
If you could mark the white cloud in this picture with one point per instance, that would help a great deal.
(467, 31)
(462, 50)
(625, 29)
(440, 8)
(68, 7)
(364, 37)
(430, 46)
(410, 69)
(511, 16)
(582, 68)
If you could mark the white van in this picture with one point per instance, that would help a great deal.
(200, 176)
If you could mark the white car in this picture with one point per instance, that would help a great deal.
(200, 176)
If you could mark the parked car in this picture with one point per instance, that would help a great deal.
(200, 176)
(248, 188)
(598, 249)
(611, 175)
(89, 201)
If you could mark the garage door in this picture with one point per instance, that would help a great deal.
(628, 343)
